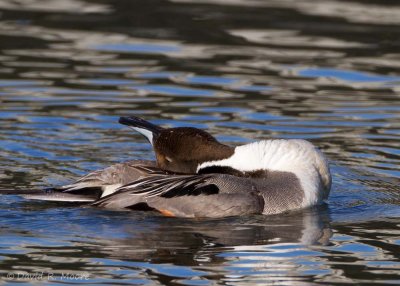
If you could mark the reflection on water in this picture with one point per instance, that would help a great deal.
(328, 72)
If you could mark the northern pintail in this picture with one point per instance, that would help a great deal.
(196, 176)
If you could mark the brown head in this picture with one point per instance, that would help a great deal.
(180, 149)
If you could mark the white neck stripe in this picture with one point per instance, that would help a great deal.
(296, 156)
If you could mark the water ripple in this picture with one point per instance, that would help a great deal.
(328, 72)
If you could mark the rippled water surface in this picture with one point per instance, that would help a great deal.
(327, 71)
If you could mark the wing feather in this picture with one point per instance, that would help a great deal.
(166, 186)
(113, 175)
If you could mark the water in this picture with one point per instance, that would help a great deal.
(327, 71)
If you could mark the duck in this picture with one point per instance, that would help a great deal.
(194, 175)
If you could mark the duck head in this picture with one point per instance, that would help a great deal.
(180, 149)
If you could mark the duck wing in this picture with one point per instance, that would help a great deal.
(208, 195)
(115, 175)
(167, 185)
(95, 185)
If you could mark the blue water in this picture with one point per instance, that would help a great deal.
(325, 71)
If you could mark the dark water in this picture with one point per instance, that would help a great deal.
(327, 71)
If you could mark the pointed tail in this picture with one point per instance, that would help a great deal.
(21, 192)
(49, 194)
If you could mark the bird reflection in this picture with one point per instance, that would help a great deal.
(187, 242)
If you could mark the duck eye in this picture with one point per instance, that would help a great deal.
(168, 159)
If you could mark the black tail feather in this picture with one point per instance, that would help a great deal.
(52, 194)
(25, 191)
